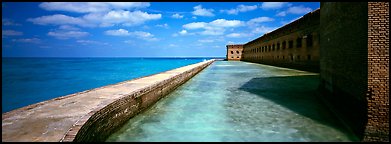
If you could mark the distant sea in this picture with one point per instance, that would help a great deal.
(27, 81)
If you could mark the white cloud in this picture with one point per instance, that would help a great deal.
(256, 21)
(299, 10)
(226, 23)
(206, 40)
(67, 34)
(195, 25)
(235, 35)
(68, 27)
(199, 11)
(177, 16)
(240, 8)
(283, 13)
(88, 42)
(119, 32)
(295, 10)
(183, 32)
(126, 18)
(230, 42)
(128, 5)
(87, 7)
(216, 27)
(263, 29)
(8, 22)
(11, 33)
(138, 34)
(213, 31)
(28, 40)
(141, 34)
(59, 19)
(273, 5)
(163, 25)
(111, 18)
(215, 23)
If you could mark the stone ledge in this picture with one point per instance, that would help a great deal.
(93, 114)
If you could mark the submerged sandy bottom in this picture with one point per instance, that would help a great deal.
(239, 101)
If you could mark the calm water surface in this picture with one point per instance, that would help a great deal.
(240, 102)
(27, 81)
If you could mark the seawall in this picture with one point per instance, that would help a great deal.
(94, 114)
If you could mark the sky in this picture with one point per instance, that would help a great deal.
(139, 29)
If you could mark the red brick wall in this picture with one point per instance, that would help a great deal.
(377, 128)
(236, 50)
(343, 62)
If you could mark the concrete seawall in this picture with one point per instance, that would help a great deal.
(92, 115)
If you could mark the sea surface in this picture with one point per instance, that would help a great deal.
(27, 81)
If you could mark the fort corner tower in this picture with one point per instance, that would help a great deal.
(234, 52)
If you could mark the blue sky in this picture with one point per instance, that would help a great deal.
(139, 29)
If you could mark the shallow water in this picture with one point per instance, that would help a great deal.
(239, 101)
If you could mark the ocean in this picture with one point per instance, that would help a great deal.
(27, 81)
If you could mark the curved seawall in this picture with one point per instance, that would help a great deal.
(92, 115)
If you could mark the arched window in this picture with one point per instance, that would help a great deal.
(232, 52)
(237, 52)
(278, 46)
(283, 44)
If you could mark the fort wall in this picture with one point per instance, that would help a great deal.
(234, 52)
(354, 66)
(295, 45)
(377, 128)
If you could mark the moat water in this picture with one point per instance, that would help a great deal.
(239, 102)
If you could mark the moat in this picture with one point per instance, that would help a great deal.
(239, 101)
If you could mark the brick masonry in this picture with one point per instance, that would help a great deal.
(354, 66)
(343, 62)
(377, 128)
(234, 52)
(294, 45)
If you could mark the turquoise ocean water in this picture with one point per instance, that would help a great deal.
(27, 81)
